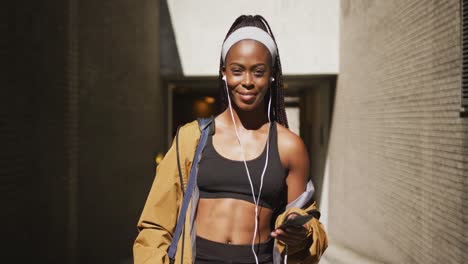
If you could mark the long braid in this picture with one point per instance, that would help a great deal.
(278, 106)
(280, 109)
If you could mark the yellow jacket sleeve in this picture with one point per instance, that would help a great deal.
(159, 217)
(313, 247)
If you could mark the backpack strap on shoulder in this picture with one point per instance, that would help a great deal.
(203, 122)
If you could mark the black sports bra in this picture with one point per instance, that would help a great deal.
(220, 177)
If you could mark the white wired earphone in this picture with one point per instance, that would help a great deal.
(256, 200)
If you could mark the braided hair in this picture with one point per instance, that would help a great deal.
(278, 111)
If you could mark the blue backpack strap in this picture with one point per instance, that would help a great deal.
(204, 125)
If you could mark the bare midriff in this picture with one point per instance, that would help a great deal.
(231, 221)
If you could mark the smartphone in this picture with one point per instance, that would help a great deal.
(297, 221)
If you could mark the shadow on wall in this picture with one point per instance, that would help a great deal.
(169, 54)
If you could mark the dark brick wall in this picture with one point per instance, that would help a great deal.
(35, 121)
(80, 126)
(398, 174)
(120, 126)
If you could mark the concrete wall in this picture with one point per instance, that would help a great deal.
(398, 153)
(306, 32)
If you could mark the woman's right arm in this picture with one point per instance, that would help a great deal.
(158, 219)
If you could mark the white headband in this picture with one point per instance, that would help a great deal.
(254, 33)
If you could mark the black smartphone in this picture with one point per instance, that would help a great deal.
(297, 221)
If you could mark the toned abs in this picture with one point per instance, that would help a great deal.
(231, 221)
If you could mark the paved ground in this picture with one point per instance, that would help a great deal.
(337, 254)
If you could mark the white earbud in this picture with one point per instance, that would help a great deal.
(224, 77)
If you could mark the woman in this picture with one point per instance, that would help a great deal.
(252, 175)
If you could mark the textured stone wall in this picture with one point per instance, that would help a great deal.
(398, 153)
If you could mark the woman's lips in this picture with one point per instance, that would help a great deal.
(247, 96)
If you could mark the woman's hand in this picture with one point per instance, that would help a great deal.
(291, 235)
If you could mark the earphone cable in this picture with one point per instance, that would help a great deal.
(256, 200)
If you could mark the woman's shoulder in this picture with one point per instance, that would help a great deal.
(289, 142)
(191, 128)
(287, 136)
(188, 137)
(190, 125)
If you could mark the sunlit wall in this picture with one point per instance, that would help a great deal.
(306, 32)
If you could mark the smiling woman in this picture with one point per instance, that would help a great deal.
(248, 72)
(251, 176)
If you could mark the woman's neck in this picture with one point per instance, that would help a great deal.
(249, 120)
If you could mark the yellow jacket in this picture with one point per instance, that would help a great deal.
(158, 219)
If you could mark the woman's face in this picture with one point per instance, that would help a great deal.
(248, 71)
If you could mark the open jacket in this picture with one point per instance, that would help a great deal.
(158, 219)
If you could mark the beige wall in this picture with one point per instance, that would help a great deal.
(306, 32)
(398, 153)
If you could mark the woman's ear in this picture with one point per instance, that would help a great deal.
(223, 70)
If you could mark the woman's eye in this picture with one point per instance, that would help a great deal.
(259, 73)
(236, 71)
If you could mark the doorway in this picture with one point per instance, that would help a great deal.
(308, 102)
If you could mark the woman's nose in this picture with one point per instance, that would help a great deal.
(247, 82)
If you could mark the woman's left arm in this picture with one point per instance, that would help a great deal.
(308, 242)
